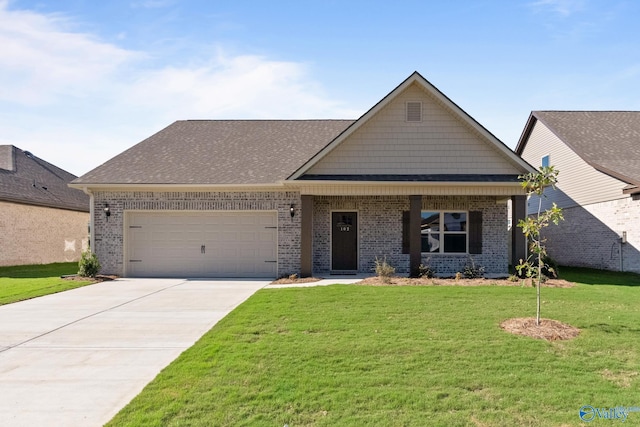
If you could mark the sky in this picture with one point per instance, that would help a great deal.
(83, 80)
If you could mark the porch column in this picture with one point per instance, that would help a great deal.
(518, 241)
(306, 237)
(415, 241)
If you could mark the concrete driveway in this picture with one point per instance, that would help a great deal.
(76, 358)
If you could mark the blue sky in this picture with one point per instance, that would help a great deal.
(83, 80)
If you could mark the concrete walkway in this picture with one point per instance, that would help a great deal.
(76, 358)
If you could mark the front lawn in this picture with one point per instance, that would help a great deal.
(401, 356)
(30, 281)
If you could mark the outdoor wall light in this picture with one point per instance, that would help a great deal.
(292, 210)
(107, 211)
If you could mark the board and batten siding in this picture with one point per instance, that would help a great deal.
(578, 182)
(439, 144)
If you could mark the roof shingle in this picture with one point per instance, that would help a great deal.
(607, 140)
(219, 152)
(25, 178)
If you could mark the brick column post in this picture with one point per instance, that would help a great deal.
(306, 237)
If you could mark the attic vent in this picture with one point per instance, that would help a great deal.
(414, 111)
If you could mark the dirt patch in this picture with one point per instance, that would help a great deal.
(405, 281)
(621, 379)
(548, 329)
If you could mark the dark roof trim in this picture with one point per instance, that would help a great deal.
(413, 178)
(52, 205)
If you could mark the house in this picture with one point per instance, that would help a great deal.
(42, 220)
(414, 180)
(597, 154)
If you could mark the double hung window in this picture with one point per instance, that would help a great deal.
(444, 232)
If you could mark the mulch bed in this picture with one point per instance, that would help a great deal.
(548, 329)
(98, 278)
(405, 281)
(293, 280)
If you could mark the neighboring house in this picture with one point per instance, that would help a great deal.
(597, 154)
(42, 220)
(415, 180)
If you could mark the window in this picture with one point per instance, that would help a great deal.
(444, 232)
(544, 162)
(461, 231)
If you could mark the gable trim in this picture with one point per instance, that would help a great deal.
(441, 98)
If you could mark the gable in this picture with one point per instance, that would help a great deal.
(579, 183)
(440, 144)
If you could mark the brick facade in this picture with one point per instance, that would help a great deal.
(379, 229)
(380, 232)
(590, 236)
(109, 237)
(40, 235)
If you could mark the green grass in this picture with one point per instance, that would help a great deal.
(592, 276)
(30, 281)
(401, 356)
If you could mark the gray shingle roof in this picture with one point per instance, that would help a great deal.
(25, 178)
(219, 152)
(607, 140)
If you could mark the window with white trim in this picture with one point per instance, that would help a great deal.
(545, 161)
(444, 232)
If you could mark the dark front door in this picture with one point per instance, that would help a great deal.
(344, 241)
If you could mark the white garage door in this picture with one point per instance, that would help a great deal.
(201, 244)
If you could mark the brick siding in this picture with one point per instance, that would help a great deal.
(379, 226)
(380, 232)
(109, 238)
(41, 235)
(590, 236)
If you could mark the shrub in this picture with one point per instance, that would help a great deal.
(473, 271)
(384, 270)
(88, 266)
(426, 271)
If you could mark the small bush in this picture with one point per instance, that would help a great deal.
(384, 270)
(473, 271)
(426, 271)
(88, 266)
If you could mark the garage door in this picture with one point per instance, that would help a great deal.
(201, 244)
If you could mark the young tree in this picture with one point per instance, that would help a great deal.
(535, 183)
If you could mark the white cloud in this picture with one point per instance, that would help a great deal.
(244, 86)
(563, 8)
(40, 59)
(76, 101)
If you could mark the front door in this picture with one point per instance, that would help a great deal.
(344, 242)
